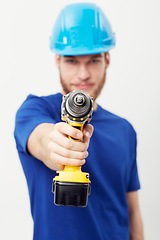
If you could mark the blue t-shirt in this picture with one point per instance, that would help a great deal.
(111, 164)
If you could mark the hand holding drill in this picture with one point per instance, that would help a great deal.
(65, 151)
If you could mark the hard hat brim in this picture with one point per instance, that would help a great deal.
(68, 51)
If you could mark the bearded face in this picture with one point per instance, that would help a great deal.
(93, 91)
(86, 72)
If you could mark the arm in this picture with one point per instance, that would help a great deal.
(49, 143)
(135, 221)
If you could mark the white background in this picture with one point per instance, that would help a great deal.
(131, 91)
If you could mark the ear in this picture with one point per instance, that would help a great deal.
(108, 59)
(57, 60)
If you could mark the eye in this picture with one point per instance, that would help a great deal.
(94, 61)
(72, 61)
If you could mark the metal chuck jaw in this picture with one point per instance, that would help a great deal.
(71, 186)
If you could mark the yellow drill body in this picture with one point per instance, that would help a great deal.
(71, 183)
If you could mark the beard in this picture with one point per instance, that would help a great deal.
(95, 92)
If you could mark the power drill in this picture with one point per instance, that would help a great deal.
(72, 186)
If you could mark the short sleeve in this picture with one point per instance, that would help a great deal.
(33, 112)
(133, 183)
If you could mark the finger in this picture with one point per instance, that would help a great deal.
(67, 143)
(53, 147)
(60, 160)
(68, 130)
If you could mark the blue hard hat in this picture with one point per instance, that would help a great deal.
(80, 29)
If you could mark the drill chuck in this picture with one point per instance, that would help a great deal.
(77, 107)
(72, 186)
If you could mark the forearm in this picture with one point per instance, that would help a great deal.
(38, 142)
(136, 226)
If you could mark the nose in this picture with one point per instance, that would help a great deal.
(83, 72)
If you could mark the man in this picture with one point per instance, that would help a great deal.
(81, 39)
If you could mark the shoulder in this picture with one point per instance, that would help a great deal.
(35, 106)
(114, 121)
(44, 99)
(33, 101)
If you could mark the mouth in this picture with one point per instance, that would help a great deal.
(83, 86)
